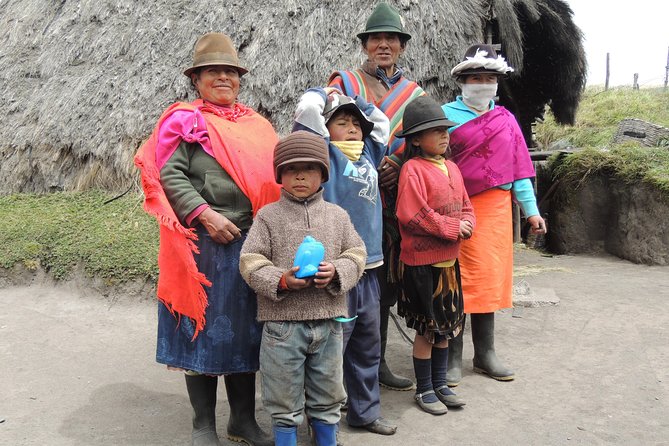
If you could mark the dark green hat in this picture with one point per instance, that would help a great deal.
(422, 113)
(385, 19)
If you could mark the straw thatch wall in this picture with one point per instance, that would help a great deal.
(83, 82)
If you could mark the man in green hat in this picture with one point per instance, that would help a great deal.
(380, 81)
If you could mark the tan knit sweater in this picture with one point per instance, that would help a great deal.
(270, 247)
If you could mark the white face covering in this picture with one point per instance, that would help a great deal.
(478, 96)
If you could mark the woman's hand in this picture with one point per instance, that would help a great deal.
(537, 223)
(325, 274)
(219, 228)
(292, 282)
(388, 174)
(466, 229)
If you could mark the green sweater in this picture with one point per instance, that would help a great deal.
(269, 251)
(191, 178)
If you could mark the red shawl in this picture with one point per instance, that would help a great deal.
(243, 143)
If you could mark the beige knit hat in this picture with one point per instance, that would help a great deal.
(301, 147)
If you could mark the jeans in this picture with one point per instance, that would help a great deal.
(302, 361)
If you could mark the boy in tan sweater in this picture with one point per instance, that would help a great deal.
(301, 348)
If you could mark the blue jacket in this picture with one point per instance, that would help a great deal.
(353, 185)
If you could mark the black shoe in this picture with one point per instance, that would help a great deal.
(450, 399)
(380, 426)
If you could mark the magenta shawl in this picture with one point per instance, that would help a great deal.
(490, 151)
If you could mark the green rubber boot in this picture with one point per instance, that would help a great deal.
(202, 395)
(485, 358)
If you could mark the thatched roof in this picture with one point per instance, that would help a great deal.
(83, 82)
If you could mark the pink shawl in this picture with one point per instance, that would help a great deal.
(490, 151)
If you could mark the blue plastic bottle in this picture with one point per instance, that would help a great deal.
(309, 255)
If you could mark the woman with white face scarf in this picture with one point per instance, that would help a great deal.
(488, 147)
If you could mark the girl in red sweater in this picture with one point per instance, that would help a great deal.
(434, 214)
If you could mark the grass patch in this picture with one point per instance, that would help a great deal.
(628, 163)
(597, 121)
(117, 241)
(600, 112)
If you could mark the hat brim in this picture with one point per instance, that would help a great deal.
(304, 159)
(385, 29)
(365, 125)
(479, 71)
(241, 70)
(440, 122)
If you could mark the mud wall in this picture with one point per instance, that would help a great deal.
(606, 215)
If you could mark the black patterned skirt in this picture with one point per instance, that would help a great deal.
(431, 301)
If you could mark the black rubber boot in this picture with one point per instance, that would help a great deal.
(485, 358)
(242, 425)
(202, 394)
(454, 371)
(386, 377)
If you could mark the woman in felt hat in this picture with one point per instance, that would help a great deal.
(381, 81)
(488, 147)
(206, 170)
(435, 215)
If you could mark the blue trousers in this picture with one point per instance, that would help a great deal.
(362, 352)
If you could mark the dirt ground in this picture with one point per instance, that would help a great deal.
(591, 362)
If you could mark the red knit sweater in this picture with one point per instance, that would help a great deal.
(429, 209)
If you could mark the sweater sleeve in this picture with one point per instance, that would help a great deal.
(255, 265)
(350, 264)
(523, 192)
(414, 213)
(381, 131)
(309, 112)
(179, 190)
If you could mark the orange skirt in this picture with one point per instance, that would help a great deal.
(486, 259)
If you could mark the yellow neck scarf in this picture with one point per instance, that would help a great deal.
(351, 149)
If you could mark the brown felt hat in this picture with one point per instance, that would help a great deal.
(301, 147)
(215, 49)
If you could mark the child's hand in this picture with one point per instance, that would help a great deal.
(325, 274)
(466, 229)
(293, 283)
(538, 224)
(388, 174)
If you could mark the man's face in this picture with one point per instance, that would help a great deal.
(384, 49)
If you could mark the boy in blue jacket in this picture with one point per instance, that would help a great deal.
(357, 135)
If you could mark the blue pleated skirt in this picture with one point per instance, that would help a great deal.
(230, 340)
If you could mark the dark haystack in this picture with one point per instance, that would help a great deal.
(83, 82)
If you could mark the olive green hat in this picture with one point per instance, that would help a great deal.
(385, 19)
(215, 49)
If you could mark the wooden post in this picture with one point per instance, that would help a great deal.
(515, 218)
(666, 71)
(606, 85)
(635, 85)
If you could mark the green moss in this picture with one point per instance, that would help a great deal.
(627, 163)
(116, 241)
(600, 112)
